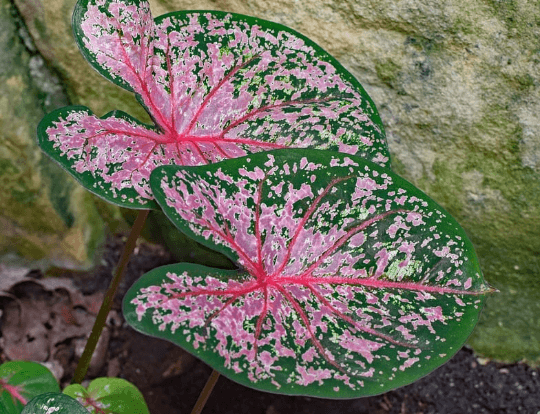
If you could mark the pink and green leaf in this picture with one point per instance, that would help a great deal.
(217, 86)
(351, 281)
(20, 381)
(54, 403)
(109, 396)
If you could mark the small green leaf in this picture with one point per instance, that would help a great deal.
(54, 403)
(20, 381)
(109, 395)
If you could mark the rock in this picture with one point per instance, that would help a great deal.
(46, 218)
(458, 88)
(457, 84)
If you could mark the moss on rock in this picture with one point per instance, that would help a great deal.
(45, 217)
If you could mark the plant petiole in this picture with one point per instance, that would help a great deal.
(205, 393)
(99, 324)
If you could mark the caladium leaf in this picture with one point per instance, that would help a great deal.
(217, 86)
(351, 282)
(54, 403)
(109, 396)
(20, 381)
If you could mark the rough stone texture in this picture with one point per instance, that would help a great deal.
(457, 83)
(46, 218)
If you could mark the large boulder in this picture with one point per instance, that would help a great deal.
(45, 217)
(457, 84)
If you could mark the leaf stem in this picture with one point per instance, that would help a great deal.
(84, 362)
(205, 393)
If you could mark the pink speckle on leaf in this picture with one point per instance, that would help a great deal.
(468, 283)
(362, 346)
(309, 375)
(408, 363)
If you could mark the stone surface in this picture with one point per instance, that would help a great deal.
(45, 217)
(457, 84)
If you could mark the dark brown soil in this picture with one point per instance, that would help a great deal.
(171, 379)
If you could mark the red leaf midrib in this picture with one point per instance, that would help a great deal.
(168, 125)
(13, 390)
(262, 282)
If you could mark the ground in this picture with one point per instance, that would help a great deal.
(171, 379)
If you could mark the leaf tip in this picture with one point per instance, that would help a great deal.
(491, 290)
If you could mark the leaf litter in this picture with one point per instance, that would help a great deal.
(41, 317)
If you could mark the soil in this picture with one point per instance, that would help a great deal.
(171, 379)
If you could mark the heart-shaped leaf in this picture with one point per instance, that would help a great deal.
(109, 395)
(352, 281)
(54, 403)
(217, 85)
(20, 381)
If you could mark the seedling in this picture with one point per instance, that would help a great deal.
(109, 395)
(20, 381)
(30, 388)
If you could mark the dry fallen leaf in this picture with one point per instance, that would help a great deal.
(9, 276)
(38, 315)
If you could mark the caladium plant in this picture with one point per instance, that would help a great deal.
(20, 381)
(109, 396)
(216, 85)
(30, 388)
(351, 281)
(54, 403)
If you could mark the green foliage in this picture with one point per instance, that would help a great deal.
(54, 403)
(114, 395)
(21, 381)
